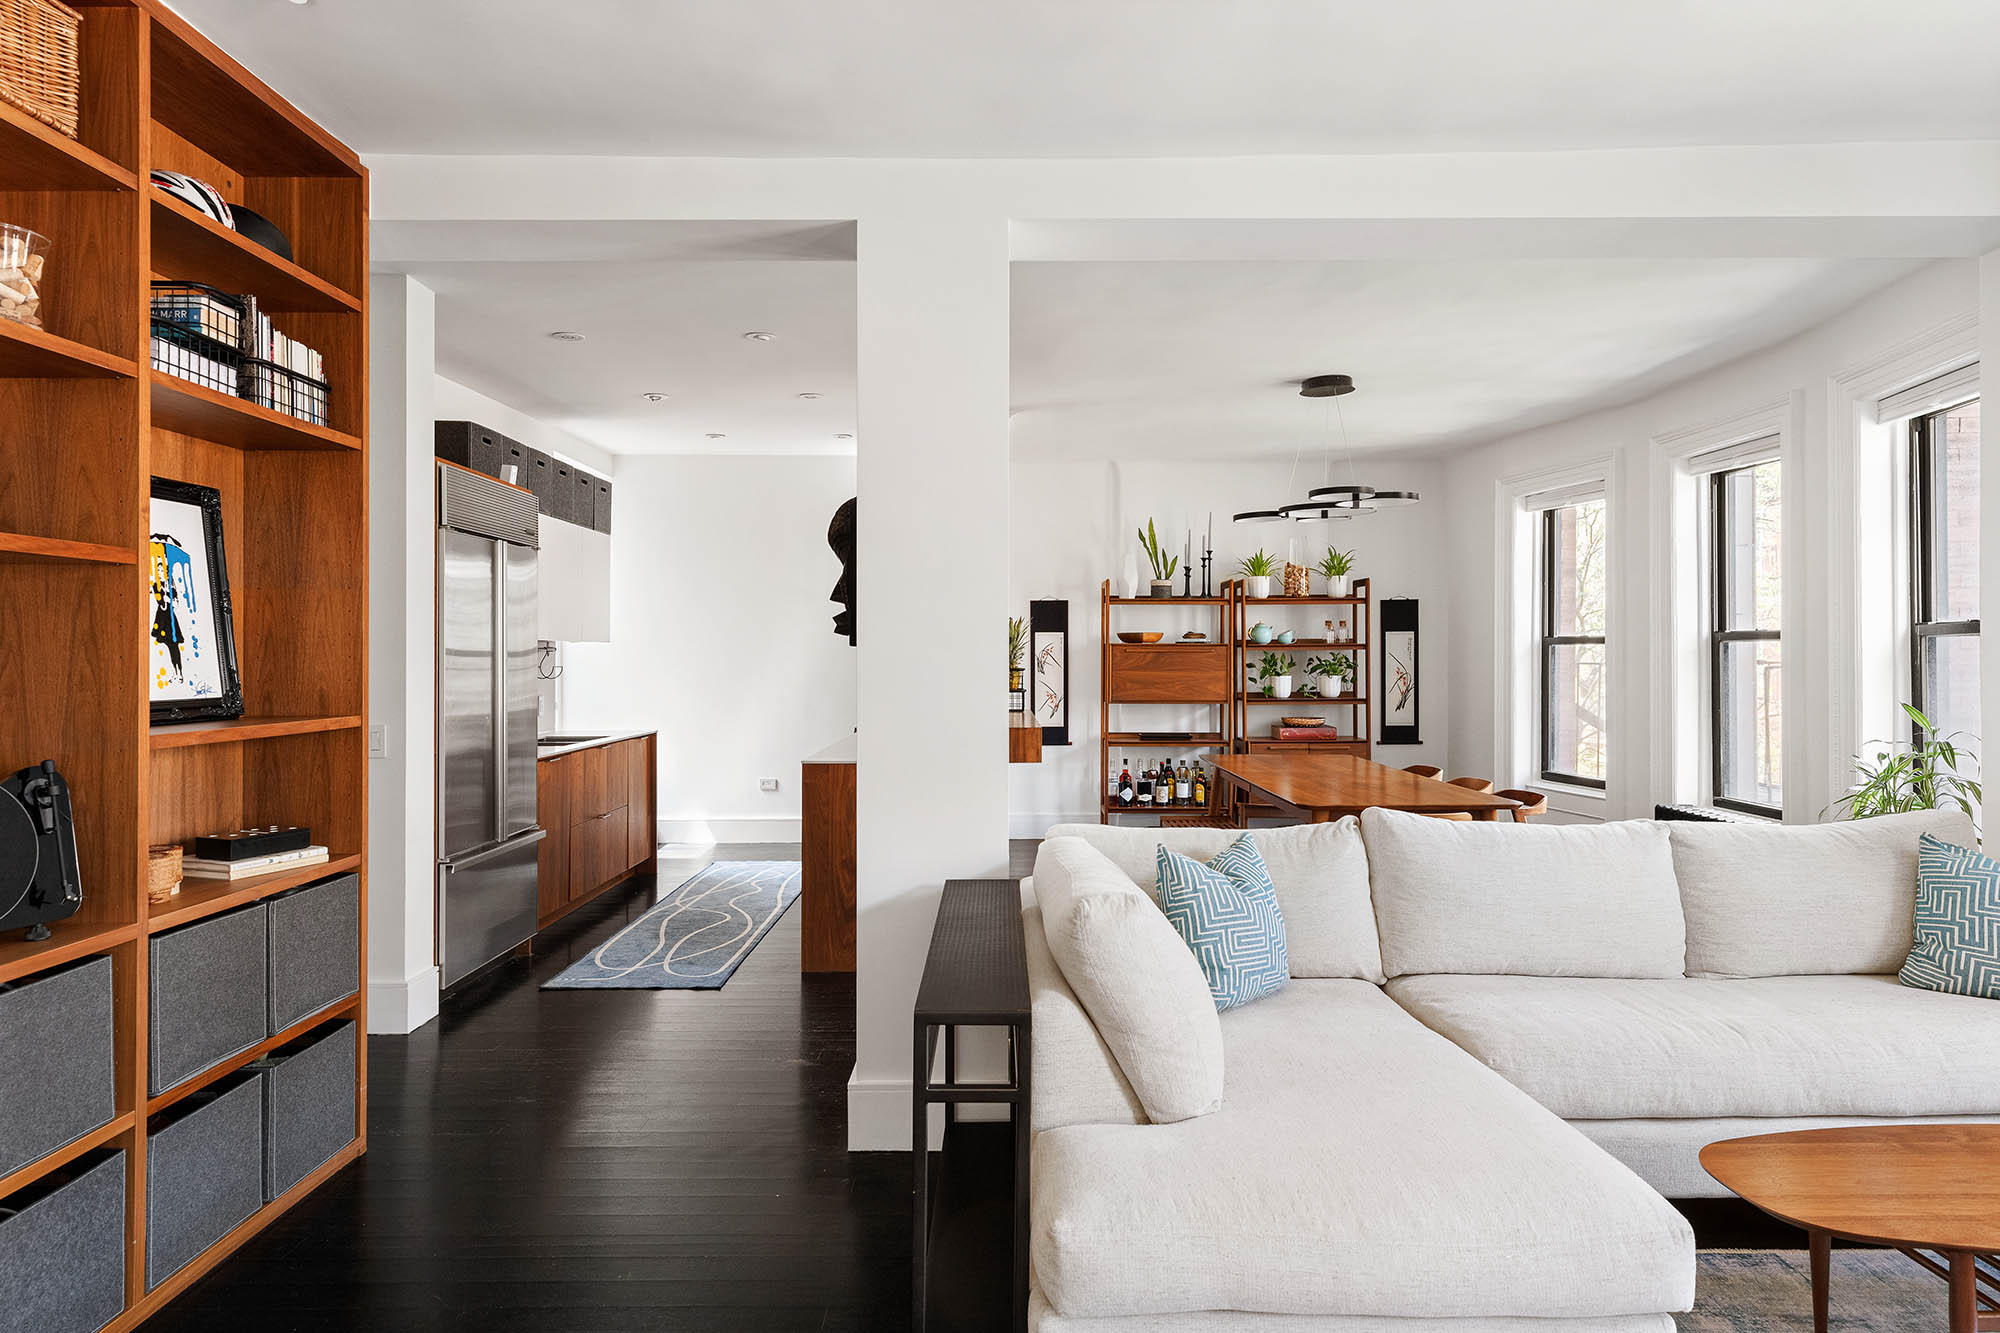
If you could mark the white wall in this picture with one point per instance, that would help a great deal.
(1073, 524)
(722, 635)
(402, 617)
(1799, 380)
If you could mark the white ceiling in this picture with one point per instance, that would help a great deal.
(656, 325)
(1058, 78)
(1202, 360)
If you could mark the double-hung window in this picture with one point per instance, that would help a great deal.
(1944, 567)
(1572, 591)
(1746, 678)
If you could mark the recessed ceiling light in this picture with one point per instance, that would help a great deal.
(654, 397)
(758, 336)
(567, 336)
(808, 395)
(844, 435)
(717, 435)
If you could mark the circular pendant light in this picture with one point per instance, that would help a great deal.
(1392, 499)
(1324, 503)
(1342, 497)
(1326, 386)
(1258, 516)
(1310, 511)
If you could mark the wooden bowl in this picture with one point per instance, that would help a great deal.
(1301, 721)
(1139, 635)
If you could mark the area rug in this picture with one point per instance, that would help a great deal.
(695, 937)
(1770, 1291)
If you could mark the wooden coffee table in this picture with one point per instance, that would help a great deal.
(1912, 1187)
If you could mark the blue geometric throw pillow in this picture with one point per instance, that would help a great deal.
(1958, 921)
(1227, 911)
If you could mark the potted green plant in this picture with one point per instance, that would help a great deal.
(1274, 672)
(1337, 567)
(1334, 673)
(1017, 650)
(1923, 775)
(1164, 565)
(1257, 570)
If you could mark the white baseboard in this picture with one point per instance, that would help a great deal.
(705, 832)
(878, 1116)
(396, 1008)
(1036, 824)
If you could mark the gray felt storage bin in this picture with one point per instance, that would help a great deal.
(469, 444)
(315, 949)
(204, 1172)
(308, 1105)
(55, 1049)
(208, 985)
(62, 1249)
(601, 507)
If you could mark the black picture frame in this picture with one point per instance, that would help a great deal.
(173, 624)
(1048, 625)
(1399, 673)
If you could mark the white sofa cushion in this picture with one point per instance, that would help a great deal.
(1768, 900)
(1551, 900)
(1319, 870)
(1077, 1078)
(1042, 1319)
(1666, 1154)
(1773, 1046)
(1135, 977)
(1361, 1165)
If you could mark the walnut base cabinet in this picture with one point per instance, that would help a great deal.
(597, 806)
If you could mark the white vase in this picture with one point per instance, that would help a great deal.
(1260, 585)
(1281, 688)
(1340, 585)
(1131, 575)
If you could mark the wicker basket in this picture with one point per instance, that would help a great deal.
(38, 60)
(163, 872)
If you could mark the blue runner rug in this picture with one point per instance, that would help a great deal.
(696, 936)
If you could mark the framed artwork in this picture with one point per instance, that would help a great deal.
(1048, 645)
(1400, 695)
(192, 675)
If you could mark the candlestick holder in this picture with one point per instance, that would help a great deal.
(1207, 590)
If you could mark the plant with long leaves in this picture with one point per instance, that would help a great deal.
(1017, 642)
(1336, 562)
(1273, 666)
(1259, 565)
(1922, 775)
(1164, 565)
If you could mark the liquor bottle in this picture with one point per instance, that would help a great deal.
(1183, 785)
(1127, 793)
(1146, 787)
(1163, 784)
(1200, 786)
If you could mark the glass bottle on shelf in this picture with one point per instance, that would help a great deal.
(1146, 787)
(1127, 793)
(1200, 787)
(1184, 785)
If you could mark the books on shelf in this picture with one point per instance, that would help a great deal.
(196, 868)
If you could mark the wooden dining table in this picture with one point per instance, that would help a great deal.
(1325, 787)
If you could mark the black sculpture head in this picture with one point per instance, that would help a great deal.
(840, 536)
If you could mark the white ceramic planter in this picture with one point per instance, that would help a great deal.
(1259, 585)
(1281, 688)
(1340, 585)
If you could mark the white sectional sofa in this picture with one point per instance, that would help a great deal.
(1500, 1051)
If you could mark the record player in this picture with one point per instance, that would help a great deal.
(39, 882)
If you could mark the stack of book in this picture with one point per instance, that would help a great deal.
(193, 867)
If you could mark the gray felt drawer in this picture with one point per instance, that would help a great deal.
(208, 986)
(315, 949)
(55, 1049)
(204, 1173)
(62, 1249)
(308, 1105)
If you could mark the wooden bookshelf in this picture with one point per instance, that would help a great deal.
(1172, 673)
(1349, 712)
(89, 424)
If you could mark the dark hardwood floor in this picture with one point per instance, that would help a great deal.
(598, 1160)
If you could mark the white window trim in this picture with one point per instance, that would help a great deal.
(1679, 575)
(1519, 501)
(1867, 548)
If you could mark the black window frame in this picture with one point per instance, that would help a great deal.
(1925, 434)
(1550, 642)
(1719, 636)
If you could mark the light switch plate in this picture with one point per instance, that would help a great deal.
(378, 742)
(767, 784)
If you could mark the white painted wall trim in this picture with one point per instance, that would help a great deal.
(1516, 668)
(705, 831)
(1679, 580)
(1867, 554)
(401, 1007)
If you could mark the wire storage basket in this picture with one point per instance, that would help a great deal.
(268, 384)
(200, 309)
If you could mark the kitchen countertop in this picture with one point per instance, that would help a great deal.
(545, 751)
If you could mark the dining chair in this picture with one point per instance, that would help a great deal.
(1423, 770)
(1472, 784)
(1533, 803)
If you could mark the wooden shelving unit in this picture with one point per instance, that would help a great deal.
(1348, 712)
(88, 424)
(1171, 673)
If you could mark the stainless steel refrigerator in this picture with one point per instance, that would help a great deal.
(487, 714)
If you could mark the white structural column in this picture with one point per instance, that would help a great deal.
(1989, 501)
(931, 472)
(402, 617)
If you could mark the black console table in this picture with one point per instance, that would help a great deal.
(976, 976)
